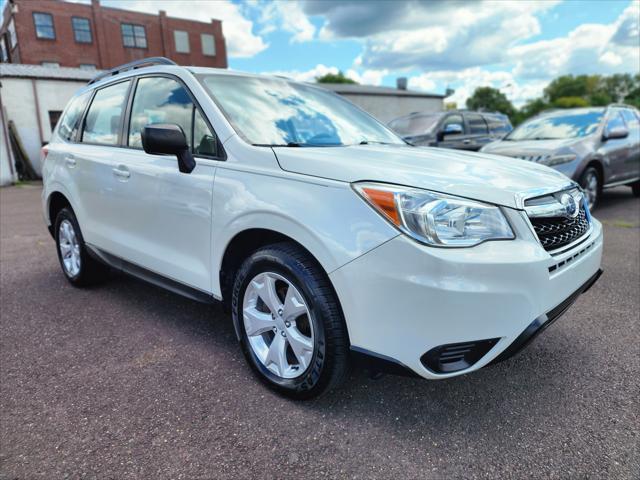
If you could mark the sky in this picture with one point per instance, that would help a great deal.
(516, 46)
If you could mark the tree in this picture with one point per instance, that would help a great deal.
(570, 102)
(491, 100)
(334, 78)
(450, 106)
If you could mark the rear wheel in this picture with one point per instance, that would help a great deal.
(592, 186)
(289, 322)
(77, 265)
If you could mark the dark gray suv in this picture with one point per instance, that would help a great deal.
(599, 147)
(459, 129)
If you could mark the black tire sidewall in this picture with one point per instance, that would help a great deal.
(317, 374)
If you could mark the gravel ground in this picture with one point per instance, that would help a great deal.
(128, 381)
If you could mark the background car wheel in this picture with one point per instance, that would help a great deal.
(289, 322)
(77, 265)
(592, 186)
(635, 187)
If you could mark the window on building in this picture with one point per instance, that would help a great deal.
(208, 44)
(102, 123)
(70, 122)
(50, 64)
(133, 36)
(163, 100)
(182, 41)
(13, 39)
(477, 125)
(44, 26)
(87, 66)
(81, 30)
(54, 116)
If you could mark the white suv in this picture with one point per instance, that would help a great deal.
(328, 237)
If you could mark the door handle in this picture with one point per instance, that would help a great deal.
(70, 161)
(121, 172)
(466, 141)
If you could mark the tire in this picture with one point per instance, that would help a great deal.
(308, 371)
(79, 268)
(635, 188)
(591, 183)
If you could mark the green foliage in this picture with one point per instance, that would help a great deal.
(570, 102)
(334, 78)
(490, 100)
(450, 106)
(567, 91)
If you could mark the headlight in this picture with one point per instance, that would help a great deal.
(436, 219)
(558, 159)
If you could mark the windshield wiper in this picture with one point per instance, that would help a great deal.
(369, 142)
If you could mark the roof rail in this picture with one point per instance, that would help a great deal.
(133, 65)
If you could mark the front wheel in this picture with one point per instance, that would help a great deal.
(590, 183)
(290, 325)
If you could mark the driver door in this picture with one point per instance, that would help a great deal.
(166, 216)
(452, 133)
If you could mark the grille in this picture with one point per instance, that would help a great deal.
(556, 232)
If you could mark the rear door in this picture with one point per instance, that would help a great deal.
(93, 159)
(478, 131)
(165, 216)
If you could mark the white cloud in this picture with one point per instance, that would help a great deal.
(307, 75)
(237, 29)
(289, 17)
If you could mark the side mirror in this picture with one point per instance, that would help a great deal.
(450, 129)
(616, 132)
(168, 139)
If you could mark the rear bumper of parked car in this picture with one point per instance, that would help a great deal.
(439, 312)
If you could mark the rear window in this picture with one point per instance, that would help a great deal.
(69, 124)
(498, 125)
(103, 120)
(477, 125)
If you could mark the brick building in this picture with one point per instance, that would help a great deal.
(90, 36)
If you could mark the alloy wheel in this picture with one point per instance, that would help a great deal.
(69, 248)
(590, 188)
(278, 325)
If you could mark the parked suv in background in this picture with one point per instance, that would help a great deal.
(328, 238)
(462, 130)
(598, 147)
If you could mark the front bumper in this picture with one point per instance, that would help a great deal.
(403, 299)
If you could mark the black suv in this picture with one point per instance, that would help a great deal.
(459, 129)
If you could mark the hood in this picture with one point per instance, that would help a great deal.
(476, 176)
(529, 149)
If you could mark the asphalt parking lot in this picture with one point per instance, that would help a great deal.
(127, 381)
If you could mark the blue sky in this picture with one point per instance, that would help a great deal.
(517, 46)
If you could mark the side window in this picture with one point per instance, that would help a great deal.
(497, 125)
(159, 100)
(453, 120)
(102, 123)
(477, 125)
(70, 123)
(615, 120)
(204, 142)
(631, 119)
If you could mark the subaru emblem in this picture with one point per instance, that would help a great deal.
(570, 205)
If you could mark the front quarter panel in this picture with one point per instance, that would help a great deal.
(326, 217)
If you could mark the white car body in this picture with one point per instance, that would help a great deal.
(400, 298)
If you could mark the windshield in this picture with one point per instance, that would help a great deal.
(558, 126)
(274, 112)
(414, 125)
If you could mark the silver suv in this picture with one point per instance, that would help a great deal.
(598, 147)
